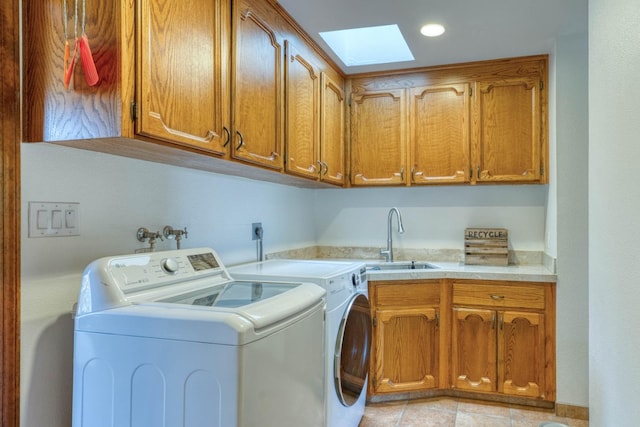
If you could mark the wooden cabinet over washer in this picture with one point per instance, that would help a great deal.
(257, 85)
(182, 79)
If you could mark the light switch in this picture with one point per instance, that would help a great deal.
(53, 219)
(56, 219)
(42, 219)
(70, 218)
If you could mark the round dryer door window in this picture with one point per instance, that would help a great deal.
(351, 364)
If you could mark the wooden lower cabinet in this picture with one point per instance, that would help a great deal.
(472, 336)
(406, 355)
(406, 336)
(474, 349)
(498, 351)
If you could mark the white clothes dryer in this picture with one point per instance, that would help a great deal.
(348, 327)
(168, 339)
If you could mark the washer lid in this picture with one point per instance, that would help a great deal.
(190, 317)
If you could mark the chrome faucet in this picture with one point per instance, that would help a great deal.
(388, 253)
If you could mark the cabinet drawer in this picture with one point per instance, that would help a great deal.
(407, 294)
(496, 295)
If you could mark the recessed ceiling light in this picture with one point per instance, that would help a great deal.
(432, 30)
(369, 45)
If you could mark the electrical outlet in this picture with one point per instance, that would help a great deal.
(256, 231)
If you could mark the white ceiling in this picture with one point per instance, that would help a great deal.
(475, 29)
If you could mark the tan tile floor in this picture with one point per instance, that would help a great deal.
(447, 412)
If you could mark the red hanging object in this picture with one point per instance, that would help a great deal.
(68, 72)
(88, 66)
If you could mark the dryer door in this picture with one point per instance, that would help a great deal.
(351, 363)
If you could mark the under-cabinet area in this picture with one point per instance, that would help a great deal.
(489, 339)
(240, 88)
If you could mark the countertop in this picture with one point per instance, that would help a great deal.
(458, 270)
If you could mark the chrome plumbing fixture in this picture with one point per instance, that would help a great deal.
(144, 234)
(172, 233)
(388, 253)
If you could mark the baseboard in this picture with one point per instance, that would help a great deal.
(571, 411)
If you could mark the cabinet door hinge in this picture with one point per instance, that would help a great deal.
(541, 85)
(470, 91)
(134, 111)
(375, 321)
(374, 382)
(541, 170)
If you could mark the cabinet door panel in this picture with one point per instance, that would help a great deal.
(303, 91)
(183, 90)
(378, 138)
(474, 349)
(332, 147)
(439, 134)
(257, 89)
(508, 130)
(406, 355)
(521, 354)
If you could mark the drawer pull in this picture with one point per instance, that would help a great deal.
(496, 297)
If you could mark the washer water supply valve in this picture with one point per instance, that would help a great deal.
(171, 233)
(144, 234)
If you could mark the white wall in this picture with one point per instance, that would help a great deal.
(433, 217)
(572, 146)
(117, 196)
(614, 212)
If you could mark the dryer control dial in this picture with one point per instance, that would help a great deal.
(170, 265)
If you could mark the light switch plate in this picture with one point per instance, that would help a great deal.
(53, 219)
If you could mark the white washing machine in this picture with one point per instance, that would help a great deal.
(348, 327)
(168, 339)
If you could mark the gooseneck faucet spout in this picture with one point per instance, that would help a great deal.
(388, 253)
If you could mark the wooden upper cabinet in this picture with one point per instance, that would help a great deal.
(379, 137)
(332, 128)
(508, 134)
(257, 87)
(182, 79)
(439, 135)
(303, 115)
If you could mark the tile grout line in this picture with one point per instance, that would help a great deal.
(404, 408)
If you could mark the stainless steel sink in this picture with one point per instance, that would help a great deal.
(403, 265)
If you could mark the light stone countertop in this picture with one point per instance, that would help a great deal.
(524, 266)
(458, 270)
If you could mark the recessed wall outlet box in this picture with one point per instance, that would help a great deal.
(256, 231)
(53, 219)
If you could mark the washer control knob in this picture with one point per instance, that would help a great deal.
(170, 265)
(355, 280)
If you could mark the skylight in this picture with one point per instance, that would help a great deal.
(369, 45)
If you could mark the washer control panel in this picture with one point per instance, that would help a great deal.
(141, 271)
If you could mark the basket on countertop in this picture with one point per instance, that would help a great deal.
(486, 246)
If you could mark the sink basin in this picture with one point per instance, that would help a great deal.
(403, 265)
